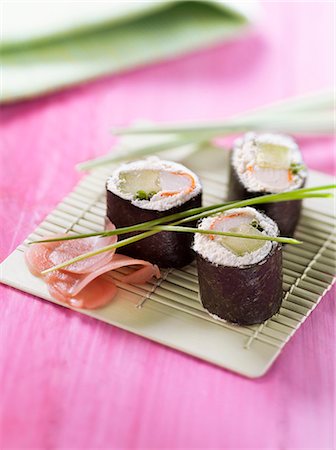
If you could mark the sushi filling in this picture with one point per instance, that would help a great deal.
(154, 184)
(234, 251)
(268, 163)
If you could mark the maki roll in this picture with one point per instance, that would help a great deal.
(150, 189)
(240, 279)
(268, 164)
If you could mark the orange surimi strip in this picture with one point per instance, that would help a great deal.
(187, 190)
(290, 175)
(249, 168)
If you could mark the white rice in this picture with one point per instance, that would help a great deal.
(216, 253)
(157, 202)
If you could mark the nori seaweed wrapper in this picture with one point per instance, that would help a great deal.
(243, 295)
(285, 214)
(167, 248)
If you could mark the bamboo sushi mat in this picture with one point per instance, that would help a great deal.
(168, 311)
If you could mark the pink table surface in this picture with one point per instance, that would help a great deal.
(68, 381)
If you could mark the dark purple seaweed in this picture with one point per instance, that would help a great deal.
(285, 214)
(167, 248)
(244, 295)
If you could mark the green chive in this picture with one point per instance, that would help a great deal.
(198, 213)
(283, 240)
(305, 114)
(153, 226)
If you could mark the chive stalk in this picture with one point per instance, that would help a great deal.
(154, 227)
(306, 114)
(198, 213)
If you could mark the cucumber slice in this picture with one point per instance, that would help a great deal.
(144, 181)
(273, 156)
(241, 246)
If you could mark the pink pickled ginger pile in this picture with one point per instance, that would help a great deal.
(82, 285)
